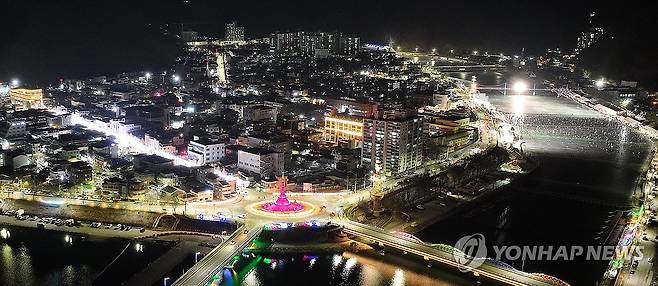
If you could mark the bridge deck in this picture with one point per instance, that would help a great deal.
(492, 271)
(218, 258)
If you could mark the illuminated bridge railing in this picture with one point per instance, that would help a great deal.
(501, 264)
(201, 273)
(450, 249)
(501, 273)
(553, 279)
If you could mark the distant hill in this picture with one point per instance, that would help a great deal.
(628, 51)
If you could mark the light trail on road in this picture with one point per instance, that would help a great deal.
(127, 140)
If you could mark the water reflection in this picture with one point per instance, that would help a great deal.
(345, 269)
(37, 257)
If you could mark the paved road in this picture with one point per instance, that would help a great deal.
(201, 273)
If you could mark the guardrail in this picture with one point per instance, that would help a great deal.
(487, 269)
(201, 272)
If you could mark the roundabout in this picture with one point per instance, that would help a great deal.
(282, 207)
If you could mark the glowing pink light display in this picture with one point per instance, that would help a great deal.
(282, 204)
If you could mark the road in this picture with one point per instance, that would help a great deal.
(201, 273)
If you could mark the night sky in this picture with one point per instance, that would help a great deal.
(46, 40)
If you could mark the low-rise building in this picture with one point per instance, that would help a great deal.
(341, 128)
(440, 145)
(206, 150)
(13, 129)
(260, 113)
(261, 161)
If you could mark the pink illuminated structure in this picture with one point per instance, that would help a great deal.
(282, 204)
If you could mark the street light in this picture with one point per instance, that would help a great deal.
(175, 78)
(5, 233)
(165, 280)
(519, 87)
(433, 51)
(196, 257)
(15, 82)
(148, 75)
(600, 83)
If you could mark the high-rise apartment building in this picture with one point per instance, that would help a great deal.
(392, 142)
(234, 32)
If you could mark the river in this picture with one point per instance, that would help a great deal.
(588, 164)
(340, 269)
(42, 257)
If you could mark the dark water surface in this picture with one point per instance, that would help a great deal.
(38, 257)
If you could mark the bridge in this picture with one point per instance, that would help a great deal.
(447, 68)
(201, 273)
(490, 269)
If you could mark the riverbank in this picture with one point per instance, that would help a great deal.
(443, 205)
(83, 229)
(323, 247)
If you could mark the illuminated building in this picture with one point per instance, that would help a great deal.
(286, 42)
(588, 38)
(352, 107)
(393, 143)
(13, 129)
(234, 33)
(440, 145)
(205, 150)
(261, 161)
(28, 97)
(4, 89)
(349, 45)
(222, 78)
(343, 128)
(312, 43)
